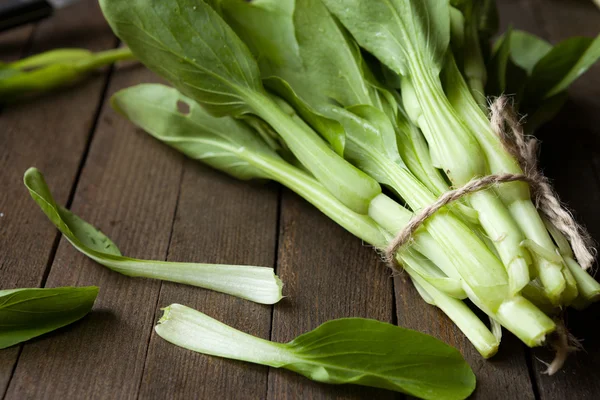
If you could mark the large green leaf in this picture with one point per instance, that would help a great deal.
(315, 32)
(258, 284)
(27, 313)
(349, 350)
(219, 142)
(188, 43)
(267, 27)
(398, 32)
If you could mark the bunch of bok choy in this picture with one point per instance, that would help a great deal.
(285, 90)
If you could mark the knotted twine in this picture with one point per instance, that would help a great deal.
(508, 128)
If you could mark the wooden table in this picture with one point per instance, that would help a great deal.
(156, 204)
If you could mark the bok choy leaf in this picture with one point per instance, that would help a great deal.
(348, 350)
(189, 44)
(258, 284)
(27, 313)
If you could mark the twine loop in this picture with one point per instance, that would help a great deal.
(507, 126)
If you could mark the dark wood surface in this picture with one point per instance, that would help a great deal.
(155, 204)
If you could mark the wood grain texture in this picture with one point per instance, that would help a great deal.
(219, 220)
(571, 157)
(128, 189)
(327, 274)
(12, 47)
(13, 43)
(41, 133)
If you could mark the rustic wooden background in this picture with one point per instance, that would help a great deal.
(156, 204)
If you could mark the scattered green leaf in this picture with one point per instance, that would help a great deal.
(27, 313)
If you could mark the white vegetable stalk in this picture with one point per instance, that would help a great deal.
(258, 284)
(196, 331)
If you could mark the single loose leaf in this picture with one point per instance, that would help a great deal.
(27, 313)
(257, 284)
(349, 350)
(47, 71)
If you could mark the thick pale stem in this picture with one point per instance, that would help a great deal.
(458, 153)
(474, 263)
(525, 320)
(514, 195)
(348, 184)
(196, 331)
(465, 319)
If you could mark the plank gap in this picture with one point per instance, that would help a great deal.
(28, 45)
(14, 368)
(275, 262)
(531, 370)
(84, 156)
(156, 304)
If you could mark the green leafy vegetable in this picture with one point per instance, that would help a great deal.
(257, 284)
(207, 61)
(281, 90)
(53, 69)
(350, 350)
(27, 313)
(154, 108)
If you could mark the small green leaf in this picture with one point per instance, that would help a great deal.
(561, 66)
(51, 57)
(257, 284)
(27, 313)
(47, 71)
(342, 351)
(526, 50)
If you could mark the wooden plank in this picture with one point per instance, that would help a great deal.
(41, 133)
(571, 157)
(13, 43)
(128, 188)
(12, 46)
(328, 274)
(220, 220)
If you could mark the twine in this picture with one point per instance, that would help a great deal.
(506, 125)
